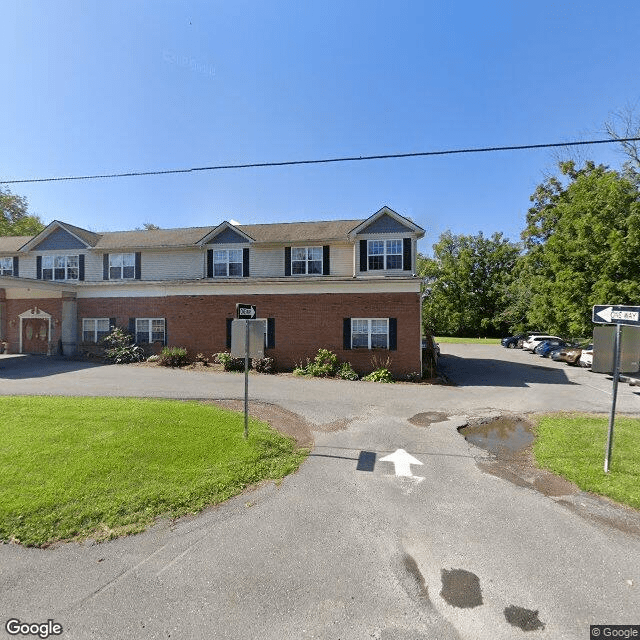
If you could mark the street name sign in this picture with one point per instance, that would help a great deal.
(245, 311)
(616, 314)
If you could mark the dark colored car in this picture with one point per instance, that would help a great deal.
(569, 354)
(547, 346)
(512, 341)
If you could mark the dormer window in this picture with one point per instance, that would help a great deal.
(306, 260)
(60, 268)
(384, 254)
(227, 263)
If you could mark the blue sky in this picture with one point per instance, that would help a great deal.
(94, 87)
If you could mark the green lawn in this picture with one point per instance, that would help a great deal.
(443, 339)
(573, 446)
(102, 467)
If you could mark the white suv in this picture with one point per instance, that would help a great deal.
(534, 341)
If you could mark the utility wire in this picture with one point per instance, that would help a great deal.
(289, 163)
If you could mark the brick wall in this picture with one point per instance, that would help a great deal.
(303, 323)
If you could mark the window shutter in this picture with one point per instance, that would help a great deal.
(346, 334)
(105, 266)
(81, 267)
(393, 334)
(132, 328)
(406, 254)
(112, 324)
(363, 255)
(166, 333)
(16, 271)
(138, 268)
(287, 261)
(209, 263)
(229, 321)
(39, 267)
(326, 262)
(271, 333)
(245, 263)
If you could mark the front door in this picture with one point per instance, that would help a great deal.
(35, 335)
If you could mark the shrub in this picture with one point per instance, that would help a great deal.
(379, 375)
(174, 357)
(346, 372)
(414, 376)
(119, 347)
(324, 365)
(229, 363)
(200, 357)
(264, 365)
(300, 369)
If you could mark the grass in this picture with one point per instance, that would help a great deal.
(103, 467)
(446, 339)
(573, 446)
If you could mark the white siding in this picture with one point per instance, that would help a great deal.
(266, 262)
(341, 260)
(173, 265)
(93, 267)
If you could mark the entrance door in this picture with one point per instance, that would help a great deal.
(35, 335)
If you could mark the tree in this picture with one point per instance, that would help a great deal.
(14, 217)
(582, 244)
(466, 283)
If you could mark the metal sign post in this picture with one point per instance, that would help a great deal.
(612, 416)
(618, 315)
(247, 340)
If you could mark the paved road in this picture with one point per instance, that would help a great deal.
(338, 552)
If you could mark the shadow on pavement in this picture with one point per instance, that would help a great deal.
(21, 367)
(486, 372)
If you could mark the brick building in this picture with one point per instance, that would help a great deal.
(346, 285)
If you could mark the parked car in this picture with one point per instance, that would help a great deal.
(586, 357)
(534, 341)
(547, 346)
(429, 341)
(515, 341)
(569, 354)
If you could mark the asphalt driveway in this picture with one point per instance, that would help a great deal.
(344, 549)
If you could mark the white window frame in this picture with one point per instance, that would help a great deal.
(359, 323)
(313, 254)
(150, 330)
(86, 322)
(387, 254)
(118, 263)
(60, 262)
(222, 258)
(4, 269)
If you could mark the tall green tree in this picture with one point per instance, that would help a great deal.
(582, 245)
(466, 280)
(15, 219)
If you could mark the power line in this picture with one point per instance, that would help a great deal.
(289, 163)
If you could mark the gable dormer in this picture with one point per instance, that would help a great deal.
(386, 244)
(61, 236)
(227, 252)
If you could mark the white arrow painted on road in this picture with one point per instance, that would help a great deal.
(402, 461)
(605, 314)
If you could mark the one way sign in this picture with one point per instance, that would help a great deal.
(612, 314)
(245, 311)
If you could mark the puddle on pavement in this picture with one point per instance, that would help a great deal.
(504, 437)
(524, 619)
(427, 418)
(461, 588)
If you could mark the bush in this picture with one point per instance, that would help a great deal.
(174, 357)
(324, 365)
(119, 347)
(200, 357)
(229, 363)
(264, 365)
(379, 375)
(346, 372)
